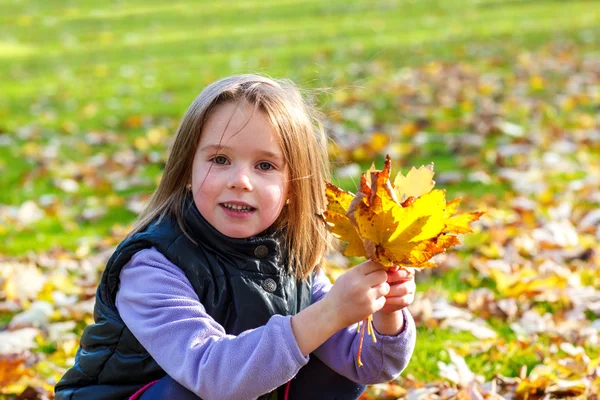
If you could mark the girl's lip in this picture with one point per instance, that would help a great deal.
(238, 214)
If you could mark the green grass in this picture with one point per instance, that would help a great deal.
(135, 52)
(53, 233)
(88, 66)
(432, 347)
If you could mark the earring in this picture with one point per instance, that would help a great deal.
(287, 202)
(188, 186)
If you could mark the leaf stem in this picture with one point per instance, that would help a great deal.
(360, 341)
(372, 329)
(362, 328)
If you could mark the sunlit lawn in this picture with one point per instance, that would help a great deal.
(83, 66)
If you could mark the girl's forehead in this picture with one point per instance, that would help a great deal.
(233, 117)
(239, 123)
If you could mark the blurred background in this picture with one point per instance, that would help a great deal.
(502, 96)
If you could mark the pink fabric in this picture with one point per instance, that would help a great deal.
(140, 392)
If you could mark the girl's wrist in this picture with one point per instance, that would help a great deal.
(313, 326)
(330, 315)
(389, 323)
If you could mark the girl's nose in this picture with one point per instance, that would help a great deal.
(240, 179)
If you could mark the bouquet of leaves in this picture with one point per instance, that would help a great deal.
(404, 223)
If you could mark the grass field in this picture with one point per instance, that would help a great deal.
(90, 93)
(137, 57)
(88, 66)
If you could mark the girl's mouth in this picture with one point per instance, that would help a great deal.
(237, 207)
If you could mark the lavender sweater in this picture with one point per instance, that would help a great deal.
(162, 310)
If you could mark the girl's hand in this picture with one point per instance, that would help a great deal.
(358, 293)
(402, 290)
(389, 320)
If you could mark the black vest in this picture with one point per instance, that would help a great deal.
(240, 282)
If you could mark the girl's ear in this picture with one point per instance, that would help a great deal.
(287, 202)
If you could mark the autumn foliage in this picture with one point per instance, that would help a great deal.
(401, 223)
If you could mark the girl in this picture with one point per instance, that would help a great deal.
(216, 293)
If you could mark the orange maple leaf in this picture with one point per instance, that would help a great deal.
(402, 223)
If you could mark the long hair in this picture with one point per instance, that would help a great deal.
(304, 146)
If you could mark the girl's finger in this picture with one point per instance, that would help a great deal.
(401, 281)
(400, 275)
(368, 267)
(398, 290)
(407, 273)
(375, 278)
(398, 302)
(382, 289)
(403, 270)
(402, 289)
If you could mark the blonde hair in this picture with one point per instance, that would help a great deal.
(304, 146)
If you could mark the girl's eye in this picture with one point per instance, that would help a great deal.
(220, 160)
(265, 166)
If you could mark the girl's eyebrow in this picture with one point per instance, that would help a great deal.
(220, 148)
(214, 147)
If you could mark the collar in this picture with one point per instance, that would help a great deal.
(263, 246)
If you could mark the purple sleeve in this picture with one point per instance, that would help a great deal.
(160, 307)
(382, 361)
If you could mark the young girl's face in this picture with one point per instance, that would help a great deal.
(239, 178)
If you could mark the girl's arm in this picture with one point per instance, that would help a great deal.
(383, 360)
(162, 310)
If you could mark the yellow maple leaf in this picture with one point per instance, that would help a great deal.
(405, 223)
(452, 207)
(458, 223)
(427, 214)
(417, 182)
(446, 241)
(374, 211)
(342, 228)
(402, 223)
(461, 223)
(407, 253)
(338, 201)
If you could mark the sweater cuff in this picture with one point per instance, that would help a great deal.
(407, 328)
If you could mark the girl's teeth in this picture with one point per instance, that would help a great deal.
(236, 207)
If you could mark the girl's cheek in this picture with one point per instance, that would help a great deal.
(205, 171)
